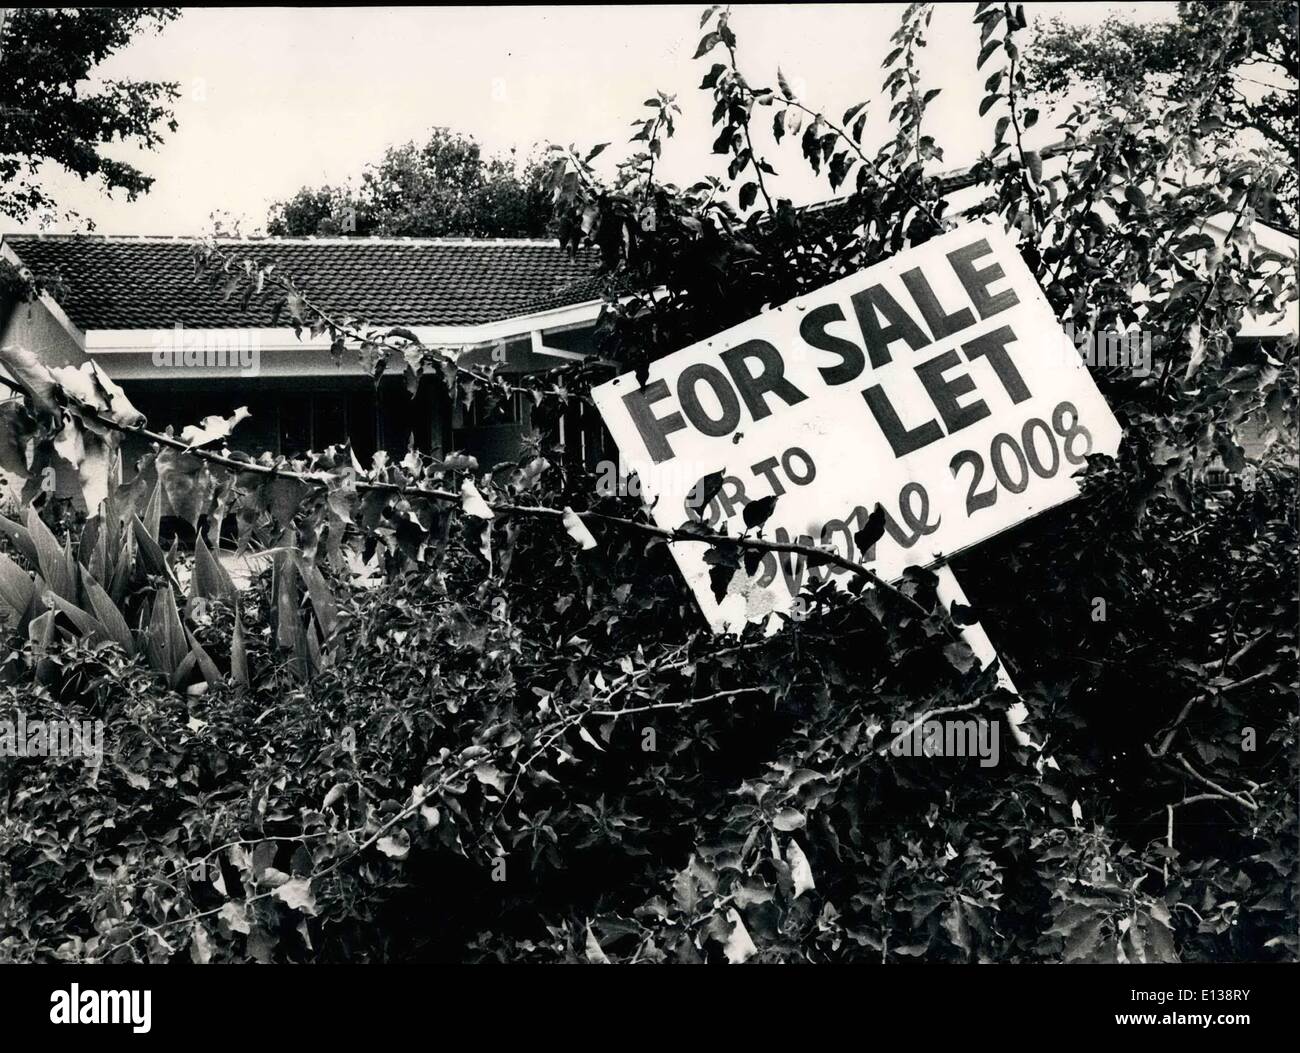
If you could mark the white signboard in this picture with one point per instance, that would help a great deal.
(938, 384)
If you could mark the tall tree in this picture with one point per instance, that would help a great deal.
(445, 186)
(52, 111)
(1146, 64)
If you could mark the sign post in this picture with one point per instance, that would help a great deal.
(949, 591)
(938, 384)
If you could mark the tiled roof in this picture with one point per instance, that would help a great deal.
(149, 283)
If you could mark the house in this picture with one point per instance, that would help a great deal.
(181, 352)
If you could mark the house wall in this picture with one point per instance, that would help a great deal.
(36, 327)
(33, 326)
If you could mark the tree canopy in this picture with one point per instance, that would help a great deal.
(1148, 63)
(442, 187)
(51, 112)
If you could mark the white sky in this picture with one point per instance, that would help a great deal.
(276, 98)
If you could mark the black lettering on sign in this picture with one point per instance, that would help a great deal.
(807, 471)
(975, 500)
(813, 330)
(1043, 471)
(767, 469)
(770, 378)
(902, 440)
(728, 501)
(945, 392)
(918, 521)
(690, 377)
(654, 430)
(1003, 442)
(1012, 462)
(977, 282)
(940, 322)
(993, 347)
(1075, 430)
(876, 298)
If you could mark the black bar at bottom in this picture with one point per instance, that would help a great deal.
(342, 1002)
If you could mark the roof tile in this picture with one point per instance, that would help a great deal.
(150, 283)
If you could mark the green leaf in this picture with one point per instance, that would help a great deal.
(800, 869)
(108, 614)
(166, 643)
(595, 954)
(704, 491)
(239, 673)
(707, 43)
(960, 656)
(322, 599)
(962, 614)
(21, 539)
(208, 668)
(16, 590)
(152, 556)
(51, 558)
(35, 379)
(872, 531)
(720, 580)
(297, 894)
(756, 513)
(1084, 940)
(471, 501)
(209, 579)
(395, 846)
(577, 529)
(739, 947)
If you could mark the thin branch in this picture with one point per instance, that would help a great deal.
(1187, 708)
(889, 181)
(507, 508)
(1242, 799)
(744, 125)
(1031, 191)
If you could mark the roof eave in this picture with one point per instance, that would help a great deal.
(554, 320)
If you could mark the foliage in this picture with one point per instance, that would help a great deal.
(50, 111)
(442, 187)
(482, 720)
(1146, 63)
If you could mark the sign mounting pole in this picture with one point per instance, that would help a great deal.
(949, 592)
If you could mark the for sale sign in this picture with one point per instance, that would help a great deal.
(938, 384)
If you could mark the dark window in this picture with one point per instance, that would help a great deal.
(295, 424)
(361, 425)
(510, 410)
(329, 421)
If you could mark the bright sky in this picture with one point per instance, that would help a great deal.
(276, 98)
